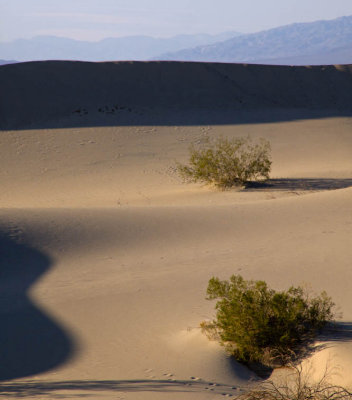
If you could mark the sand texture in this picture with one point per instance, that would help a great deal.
(105, 253)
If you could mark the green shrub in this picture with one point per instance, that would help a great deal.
(256, 323)
(225, 163)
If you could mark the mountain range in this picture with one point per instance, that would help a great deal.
(313, 43)
(339, 55)
(3, 62)
(124, 48)
(321, 42)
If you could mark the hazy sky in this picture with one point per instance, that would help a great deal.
(96, 19)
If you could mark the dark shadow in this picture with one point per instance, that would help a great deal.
(173, 117)
(30, 341)
(337, 332)
(298, 184)
(83, 388)
(261, 370)
(69, 94)
(243, 371)
(332, 332)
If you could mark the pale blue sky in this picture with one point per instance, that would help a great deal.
(96, 19)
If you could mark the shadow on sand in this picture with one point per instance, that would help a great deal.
(338, 332)
(299, 184)
(30, 341)
(68, 94)
(87, 388)
(176, 116)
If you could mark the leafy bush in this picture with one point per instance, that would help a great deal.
(227, 163)
(257, 324)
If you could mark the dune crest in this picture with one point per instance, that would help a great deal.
(48, 94)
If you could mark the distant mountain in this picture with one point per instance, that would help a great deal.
(308, 43)
(340, 55)
(109, 49)
(4, 62)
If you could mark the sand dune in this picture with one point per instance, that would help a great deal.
(61, 93)
(106, 254)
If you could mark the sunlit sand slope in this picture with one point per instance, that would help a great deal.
(106, 254)
(121, 166)
(127, 285)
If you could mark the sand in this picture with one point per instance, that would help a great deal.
(106, 253)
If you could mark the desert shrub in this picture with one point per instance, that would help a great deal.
(257, 324)
(225, 163)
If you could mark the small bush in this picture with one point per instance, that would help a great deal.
(257, 324)
(225, 163)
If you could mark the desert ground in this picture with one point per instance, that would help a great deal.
(106, 253)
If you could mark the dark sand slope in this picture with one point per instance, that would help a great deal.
(31, 342)
(69, 94)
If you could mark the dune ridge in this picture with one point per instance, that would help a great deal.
(68, 93)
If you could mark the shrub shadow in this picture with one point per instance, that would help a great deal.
(308, 184)
(337, 332)
(333, 332)
(30, 341)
